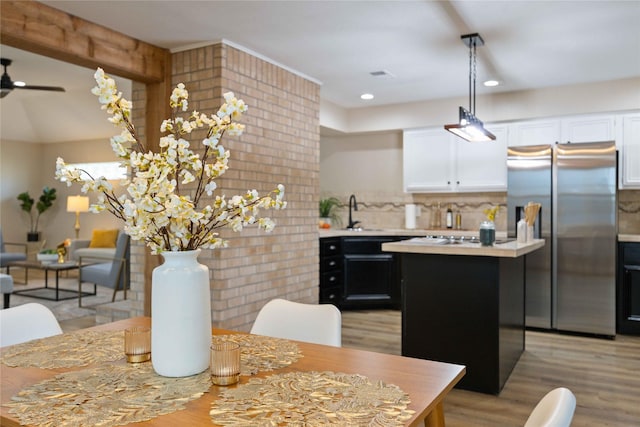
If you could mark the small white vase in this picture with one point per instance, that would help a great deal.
(180, 315)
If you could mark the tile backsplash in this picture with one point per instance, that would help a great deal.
(386, 210)
(380, 210)
(629, 212)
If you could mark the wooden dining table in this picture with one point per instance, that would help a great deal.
(426, 382)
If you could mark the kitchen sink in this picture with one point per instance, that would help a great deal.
(356, 229)
(444, 240)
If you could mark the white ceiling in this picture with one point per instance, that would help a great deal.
(528, 45)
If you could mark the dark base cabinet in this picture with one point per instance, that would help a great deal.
(360, 276)
(628, 289)
(467, 310)
(331, 274)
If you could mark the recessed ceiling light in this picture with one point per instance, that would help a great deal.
(491, 83)
(366, 96)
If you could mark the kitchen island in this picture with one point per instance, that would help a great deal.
(464, 303)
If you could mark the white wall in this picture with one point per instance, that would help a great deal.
(20, 170)
(358, 163)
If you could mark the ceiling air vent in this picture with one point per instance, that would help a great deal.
(381, 73)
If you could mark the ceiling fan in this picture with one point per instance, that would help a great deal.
(8, 85)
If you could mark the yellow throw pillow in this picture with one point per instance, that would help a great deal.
(104, 238)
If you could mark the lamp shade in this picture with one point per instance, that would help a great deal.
(77, 204)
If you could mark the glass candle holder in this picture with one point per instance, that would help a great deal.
(487, 233)
(225, 362)
(137, 344)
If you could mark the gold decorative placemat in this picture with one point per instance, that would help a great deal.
(312, 399)
(67, 350)
(108, 395)
(260, 353)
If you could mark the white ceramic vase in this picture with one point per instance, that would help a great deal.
(180, 315)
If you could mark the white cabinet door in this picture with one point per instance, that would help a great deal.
(588, 128)
(482, 166)
(630, 152)
(427, 160)
(436, 161)
(535, 132)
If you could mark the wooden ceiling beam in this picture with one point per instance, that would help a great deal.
(38, 28)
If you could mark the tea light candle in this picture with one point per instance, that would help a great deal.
(225, 362)
(137, 344)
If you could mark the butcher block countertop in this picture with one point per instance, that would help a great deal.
(634, 238)
(509, 249)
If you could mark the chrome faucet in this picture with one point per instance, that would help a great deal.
(352, 223)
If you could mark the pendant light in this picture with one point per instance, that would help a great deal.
(469, 127)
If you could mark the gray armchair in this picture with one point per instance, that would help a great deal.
(111, 272)
(15, 255)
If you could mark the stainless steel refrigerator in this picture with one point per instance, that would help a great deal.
(570, 283)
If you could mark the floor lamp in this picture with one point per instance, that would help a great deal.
(77, 204)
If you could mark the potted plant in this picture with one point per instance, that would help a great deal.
(328, 215)
(44, 202)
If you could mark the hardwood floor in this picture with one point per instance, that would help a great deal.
(78, 323)
(603, 374)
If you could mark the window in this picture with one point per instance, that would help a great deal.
(110, 170)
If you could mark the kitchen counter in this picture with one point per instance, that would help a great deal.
(339, 232)
(633, 238)
(510, 249)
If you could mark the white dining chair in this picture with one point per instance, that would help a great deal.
(555, 409)
(314, 323)
(27, 322)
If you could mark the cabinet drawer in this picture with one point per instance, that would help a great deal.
(631, 253)
(365, 245)
(330, 263)
(330, 247)
(330, 295)
(330, 279)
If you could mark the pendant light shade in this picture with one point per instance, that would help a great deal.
(469, 127)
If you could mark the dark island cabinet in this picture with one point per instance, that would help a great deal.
(356, 274)
(628, 288)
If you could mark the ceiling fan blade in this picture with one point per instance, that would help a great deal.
(8, 85)
(50, 88)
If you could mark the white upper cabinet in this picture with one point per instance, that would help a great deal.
(587, 128)
(535, 132)
(436, 161)
(482, 166)
(427, 160)
(630, 151)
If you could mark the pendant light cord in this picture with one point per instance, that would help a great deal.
(470, 75)
(474, 77)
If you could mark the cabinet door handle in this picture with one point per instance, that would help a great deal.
(332, 263)
(458, 182)
(332, 247)
(332, 296)
(332, 278)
